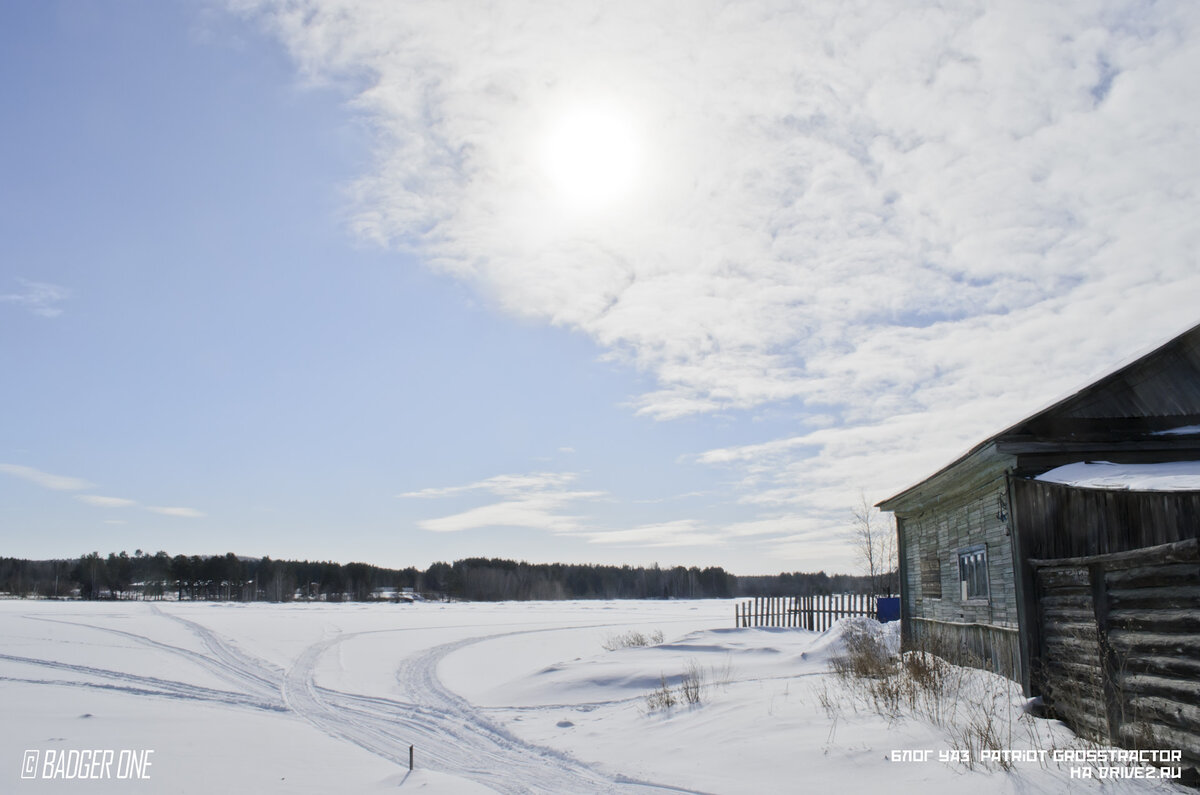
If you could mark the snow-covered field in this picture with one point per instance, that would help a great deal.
(496, 697)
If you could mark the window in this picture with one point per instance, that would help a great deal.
(972, 573)
(931, 577)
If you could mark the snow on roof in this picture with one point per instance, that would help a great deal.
(1185, 430)
(1168, 476)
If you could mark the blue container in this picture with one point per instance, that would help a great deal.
(887, 608)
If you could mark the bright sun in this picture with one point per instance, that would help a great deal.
(591, 157)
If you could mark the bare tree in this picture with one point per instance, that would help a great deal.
(874, 537)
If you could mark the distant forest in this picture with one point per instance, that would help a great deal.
(233, 578)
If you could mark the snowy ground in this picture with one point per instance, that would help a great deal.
(508, 697)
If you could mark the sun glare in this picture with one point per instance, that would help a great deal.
(591, 158)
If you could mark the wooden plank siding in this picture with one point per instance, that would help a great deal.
(1060, 521)
(979, 632)
(992, 648)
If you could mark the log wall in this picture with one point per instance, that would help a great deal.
(1120, 645)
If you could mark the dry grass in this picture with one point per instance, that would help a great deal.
(690, 691)
(974, 708)
(661, 697)
(691, 687)
(631, 639)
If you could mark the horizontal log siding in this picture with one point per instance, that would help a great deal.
(1120, 656)
(1154, 630)
(1070, 669)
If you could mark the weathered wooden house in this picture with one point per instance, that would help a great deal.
(1085, 592)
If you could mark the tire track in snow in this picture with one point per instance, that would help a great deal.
(140, 685)
(253, 676)
(244, 668)
(451, 734)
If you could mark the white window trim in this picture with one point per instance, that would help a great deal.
(973, 556)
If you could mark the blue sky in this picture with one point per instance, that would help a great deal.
(412, 282)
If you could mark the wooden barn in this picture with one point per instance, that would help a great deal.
(1078, 579)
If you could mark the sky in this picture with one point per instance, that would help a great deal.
(674, 283)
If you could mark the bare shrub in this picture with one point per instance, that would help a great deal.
(632, 639)
(690, 690)
(866, 656)
(661, 697)
(691, 687)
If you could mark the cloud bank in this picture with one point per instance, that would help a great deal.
(910, 225)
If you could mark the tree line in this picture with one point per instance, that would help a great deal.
(232, 578)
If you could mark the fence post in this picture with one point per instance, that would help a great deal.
(410, 757)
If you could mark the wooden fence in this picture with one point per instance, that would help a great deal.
(816, 613)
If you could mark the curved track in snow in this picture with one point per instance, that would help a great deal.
(450, 734)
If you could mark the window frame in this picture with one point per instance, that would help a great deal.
(931, 575)
(973, 580)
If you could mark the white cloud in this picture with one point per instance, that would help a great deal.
(920, 222)
(183, 513)
(40, 298)
(679, 533)
(64, 483)
(507, 485)
(539, 513)
(45, 479)
(105, 502)
(548, 501)
(537, 500)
